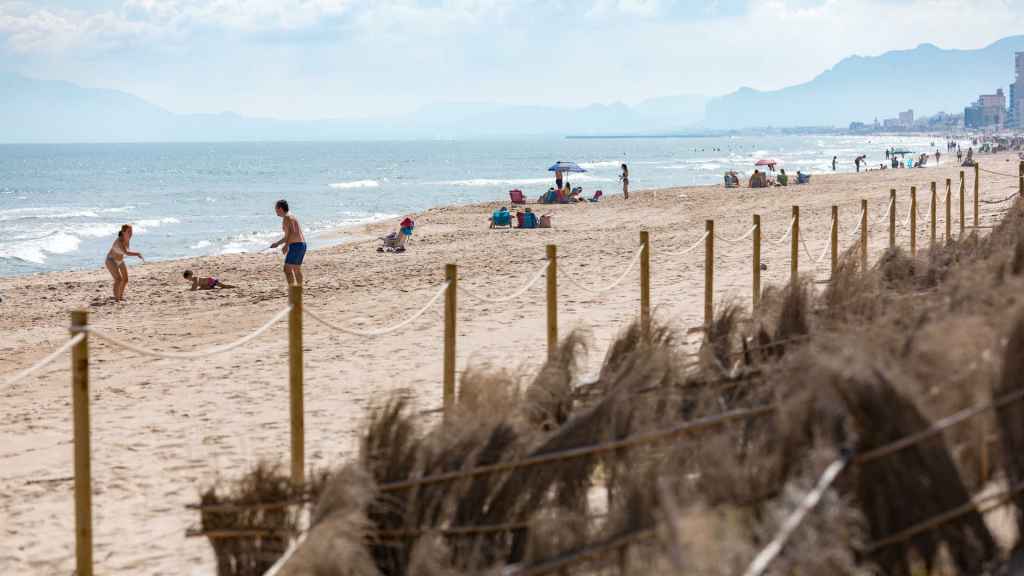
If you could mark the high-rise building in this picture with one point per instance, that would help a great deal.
(1016, 116)
(988, 111)
(907, 118)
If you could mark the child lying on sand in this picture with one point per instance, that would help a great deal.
(204, 282)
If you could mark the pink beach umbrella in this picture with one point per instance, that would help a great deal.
(769, 162)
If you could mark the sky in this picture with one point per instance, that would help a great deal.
(301, 59)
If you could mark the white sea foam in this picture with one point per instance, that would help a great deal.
(491, 182)
(355, 184)
(600, 164)
(35, 250)
(201, 244)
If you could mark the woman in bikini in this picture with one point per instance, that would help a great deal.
(115, 261)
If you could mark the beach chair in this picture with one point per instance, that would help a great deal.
(501, 219)
(516, 196)
(597, 196)
(802, 178)
(391, 243)
(732, 180)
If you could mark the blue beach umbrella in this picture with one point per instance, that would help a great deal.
(565, 167)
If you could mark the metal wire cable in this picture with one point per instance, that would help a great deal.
(502, 299)
(187, 355)
(591, 289)
(40, 364)
(999, 173)
(765, 557)
(381, 331)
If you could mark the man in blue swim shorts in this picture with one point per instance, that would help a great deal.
(294, 244)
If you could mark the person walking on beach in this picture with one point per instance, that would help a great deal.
(936, 156)
(625, 181)
(294, 244)
(856, 162)
(834, 159)
(115, 261)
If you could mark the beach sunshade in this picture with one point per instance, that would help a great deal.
(902, 151)
(766, 162)
(565, 167)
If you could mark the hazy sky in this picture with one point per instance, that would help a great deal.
(357, 58)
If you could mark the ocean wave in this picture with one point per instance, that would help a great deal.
(491, 182)
(146, 223)
(36, 250)
(600, 164)
(354, 184)
(52, 213)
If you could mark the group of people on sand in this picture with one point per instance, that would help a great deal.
(293, 246)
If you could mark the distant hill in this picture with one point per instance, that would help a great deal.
(55, 111)
(927, 79)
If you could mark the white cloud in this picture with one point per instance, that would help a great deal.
(316, 58)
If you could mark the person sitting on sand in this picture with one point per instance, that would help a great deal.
(115, 261)
(783, 179)
(204, 282)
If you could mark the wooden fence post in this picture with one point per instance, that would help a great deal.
(1020, 172)
(295, 393)
(977, 187)
(709, 273)
(82, 448)
(757, 262)
(913, 220)
(552, 300)
(949, 209)
(835, 239)
(963, 188)
(863, 235)
(645, 280)
(794, 249)
(933, 208)
(892, 218)
(451, 276)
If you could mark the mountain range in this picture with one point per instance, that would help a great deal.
(927, 78)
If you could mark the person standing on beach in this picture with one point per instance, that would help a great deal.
(115, 261)
(625, 181)
(294, 244)
(834, 159)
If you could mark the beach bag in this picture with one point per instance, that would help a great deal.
(545, 221)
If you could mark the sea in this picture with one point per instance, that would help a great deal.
(62, 204)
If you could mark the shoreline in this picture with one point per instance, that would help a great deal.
(163, 429)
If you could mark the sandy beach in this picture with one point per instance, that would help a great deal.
(164, 429)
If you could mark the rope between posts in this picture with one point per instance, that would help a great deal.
(824, 251)
(856, 229)
(792, 223)
(687, 250)
(885, 215)
(380, 331)
(765, 557)
(49, 358)
(738, 238)
(501, 299)
(188, 355)
(592, 290)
